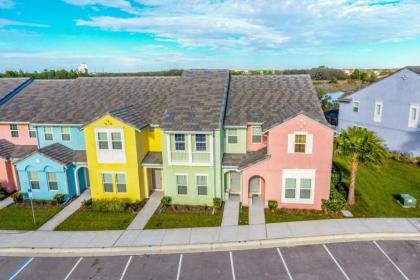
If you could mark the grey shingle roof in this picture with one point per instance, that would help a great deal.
(415, 69)
(62, 154)
(8, 85)
(198, 104)
(153, 158)
(243, 160)
(130, 115)
(9, 150)
(271, 99)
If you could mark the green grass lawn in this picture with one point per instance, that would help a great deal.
(375, 190)
(244, 216)
(287, 215)
(87, 219)
(15, 218)
(183, 220)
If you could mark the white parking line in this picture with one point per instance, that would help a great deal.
(231, 266)
(285, 265)
(126, 267)
(336, 262)
(73, 268)
(179, 267)
(390, 260)
(20, 268)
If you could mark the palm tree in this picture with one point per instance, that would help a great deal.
(359, 145)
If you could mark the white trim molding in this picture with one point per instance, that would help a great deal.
(298, 174)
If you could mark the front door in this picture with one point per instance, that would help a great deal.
(157, 179)
(235, 182)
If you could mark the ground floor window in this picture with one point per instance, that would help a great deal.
(107, 182)
(52, 181)
(181, 184)
(121, 182)
(202, 184)
(298, 185)
(33, 180)
(119, 179)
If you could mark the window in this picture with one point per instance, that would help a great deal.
(356, 106)
(14, 131)
(290, 188)
(256, 134)
(181, 184)
(48, 135)
(201, 181)
(179, 142)
(121, 183)
(200, 142)
(32, 131)
(116, 141)
(65, 134)
(305, 188)
(413, 116)
(107, 182)
(232, 134)
(300, 143)
(103, 141)
(377, 117)
(52, 181)
(33, 180)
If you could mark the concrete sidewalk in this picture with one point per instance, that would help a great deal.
(256, 211)
(6, 202)
(66, 212)
(210, 238)
(231, 212)
(147, 212)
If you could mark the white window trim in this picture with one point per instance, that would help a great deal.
(115, 179)
(14, 130)
(45, 133)
(188, 141)
(308, 145)
(112, 180)
(29, 181)
(413, 123)
(196, 186)
(205, 143)
(358, 106)
(378, 118)
(61, 131)
(48, 181)
(176, 183)
(185, 142)
(110, 155)
(32, 130)
(298, 174)
(252, 134)
(228, 131)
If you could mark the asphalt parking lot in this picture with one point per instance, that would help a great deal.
(355, 260)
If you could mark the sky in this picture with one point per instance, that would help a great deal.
(144, 35)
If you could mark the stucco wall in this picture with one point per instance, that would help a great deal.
(271, 169)
(396, 92)
(23, 138)
(7, 178)
(254, 147)
(238, 148)
(77, 139)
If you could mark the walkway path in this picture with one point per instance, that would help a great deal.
(66, 212)
(147, 212)
(256, 211)
(6, 202)
(231, 212)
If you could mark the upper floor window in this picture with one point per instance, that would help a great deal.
(300, 142)
(256, 134)
(116, 141)
(48, 135)
(356, 106)
(33, 180)
(179, 142)
(232, 135)
(200, 142)
(110, 145)
(52, 181)
(14, 131)
(32, 131)
(377, 117)
(413, 117)
(103, 141)
(65, 134)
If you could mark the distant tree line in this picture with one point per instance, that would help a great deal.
(363, 76)
(172, 72)
(321, 73)
(46, 74)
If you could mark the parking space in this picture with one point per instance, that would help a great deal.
(355, 260)
(363, 260)
(302, 265)
(259, 264)
(8, 265)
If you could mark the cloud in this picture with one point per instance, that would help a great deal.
(266, 23)
(123, 5)
(6, 4)
(7, 22)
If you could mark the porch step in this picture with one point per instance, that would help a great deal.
(256, 211)
(231, 212)
(147, 212)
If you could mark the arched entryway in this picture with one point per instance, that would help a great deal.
(82, 179)
(233, 184)
(256, 186)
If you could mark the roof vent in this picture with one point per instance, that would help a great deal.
(404, 77)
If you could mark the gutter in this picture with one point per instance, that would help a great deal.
(15, 91)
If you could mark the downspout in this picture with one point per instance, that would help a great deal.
(15, 91)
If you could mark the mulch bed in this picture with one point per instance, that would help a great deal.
(39, 204)
(191, 209)
(304, 212)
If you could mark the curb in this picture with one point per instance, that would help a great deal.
(208, 247)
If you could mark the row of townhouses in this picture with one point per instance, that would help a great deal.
(197, 136)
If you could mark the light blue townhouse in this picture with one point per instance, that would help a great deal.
(389, 107)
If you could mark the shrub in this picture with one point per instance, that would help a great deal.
(217, 202)
(337, 201)
(166, 201)
(110, 205)
(2, 192)
(87, 203)
(17, 197)
(136, 206)
(59, 198)
(272, 205)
